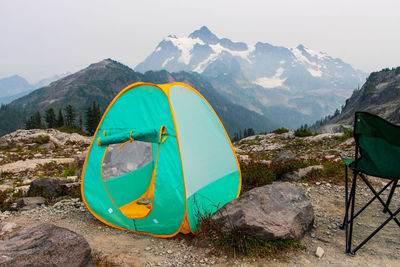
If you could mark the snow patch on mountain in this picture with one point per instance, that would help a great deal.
(315, 73)
(167, 61)
(185, 45)
(274, 81)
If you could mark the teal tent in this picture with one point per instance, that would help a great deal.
(159, 161)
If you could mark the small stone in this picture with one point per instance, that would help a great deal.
(317, 183)
(8, 227)
(147, 248)
(169, 251)
(319, 252)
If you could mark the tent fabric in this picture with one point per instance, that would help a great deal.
(145, 135)
(159, 161)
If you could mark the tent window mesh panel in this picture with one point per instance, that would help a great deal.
(129, 157)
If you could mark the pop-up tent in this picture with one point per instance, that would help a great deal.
(159, 161)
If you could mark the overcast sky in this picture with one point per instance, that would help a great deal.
(41, 38)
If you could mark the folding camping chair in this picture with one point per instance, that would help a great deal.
(377, 153)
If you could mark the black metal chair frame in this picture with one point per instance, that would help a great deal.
(350, 197)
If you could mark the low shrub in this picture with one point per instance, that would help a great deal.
(238, 243)
(303, 131)
(70, 170)
(333, 171)
(255, 174)
(347, 133)
(41, 139)
(280, 130)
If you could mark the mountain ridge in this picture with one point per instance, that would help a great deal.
(103, 80)
(268, 73)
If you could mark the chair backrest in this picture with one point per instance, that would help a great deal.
(378, 142)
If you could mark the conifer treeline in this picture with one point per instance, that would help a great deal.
(246, 132)
(66, 117)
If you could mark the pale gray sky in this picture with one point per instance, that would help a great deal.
(41, 38)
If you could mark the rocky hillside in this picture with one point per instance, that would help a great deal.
(379, 95)
(292, 86)
(102, 81)
(50, 159)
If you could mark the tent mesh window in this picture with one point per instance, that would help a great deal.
(131, 156)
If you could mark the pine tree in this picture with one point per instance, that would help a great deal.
(34, 122)
(60, 119)
(245, 133)
(89, 120)
(93, 116)
(80, 121)
(50, 118)
(97, 114)
(250, 132)
(70, 116)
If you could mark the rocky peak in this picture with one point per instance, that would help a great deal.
(205, 35)
(379, 95)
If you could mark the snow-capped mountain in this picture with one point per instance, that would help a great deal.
(273, 77)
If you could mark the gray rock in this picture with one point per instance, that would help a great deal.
(45, 245)
(48, 146)
(297, 175)
(277, 211)
(46, 187)
(80, 159)
(27, 203)
(285, 155)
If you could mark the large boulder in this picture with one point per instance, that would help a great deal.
(285, 155)
(46, 187)
(45, 245)
(277, 211)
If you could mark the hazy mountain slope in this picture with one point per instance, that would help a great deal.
(102, 81)
(296, 85)
(379, 95)
(8, 99)
(233, 116)
(14, 85)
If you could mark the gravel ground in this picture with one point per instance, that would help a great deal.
(124, 248)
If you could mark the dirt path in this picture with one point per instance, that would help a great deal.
(124, 248)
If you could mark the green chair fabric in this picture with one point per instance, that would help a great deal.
(377, 153)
